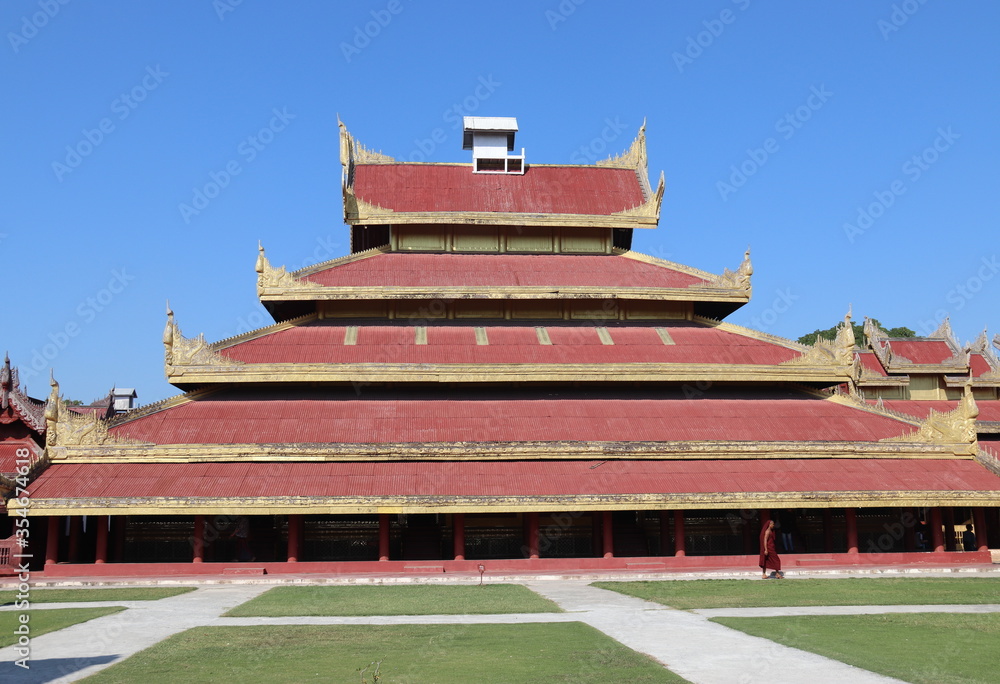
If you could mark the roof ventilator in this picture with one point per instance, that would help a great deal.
(491, 138)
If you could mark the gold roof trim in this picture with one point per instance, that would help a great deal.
(952, 427)
(353, 152)
(651, 207)
(509, 372)
(632, 158)
(751, 333)
(738, 279)
(838, 352)
(182, 351)
(494, 451)
(271, 277)
(68, 428)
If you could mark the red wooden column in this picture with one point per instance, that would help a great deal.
(383, 536)
(198, 540)
(608, 534)
(679, 534)
(458, 535)
(979, 522)
(851, 517)
(52, 541)
(948, 515)
(101, 552)
(937, 534)
(75, 532)
(664, 532)
(827, 530)
(532, 535)
(294, 537)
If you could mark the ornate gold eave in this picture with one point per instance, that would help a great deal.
(502, 372)
(507, 451)
(716, 288)
(67, 428)
(359, 212)
(956, 426)
(838, 352)
(180, 351)
(319, 505)
(677, 294)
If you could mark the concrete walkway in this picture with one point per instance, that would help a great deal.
(76, 652)
(696, 649)
(685, 641)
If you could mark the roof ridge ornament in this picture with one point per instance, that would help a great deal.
(270, 277)
(67, 428)
(949, 427)
(182, 351)
(632, 158)
(944, 332)
(651, 207)
(354, 152)
(5, 382)
(839, 351)
(738, 279)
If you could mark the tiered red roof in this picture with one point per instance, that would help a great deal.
(540, 190)
(692, 343)
(925, 351)
(396, 269)
(230, 417)
(381, 480)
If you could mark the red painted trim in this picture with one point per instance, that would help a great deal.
(526, 565)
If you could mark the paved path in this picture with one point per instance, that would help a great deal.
(698, 650)
(685, 641)
(81, 650)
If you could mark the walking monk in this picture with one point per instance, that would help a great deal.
(768, 552)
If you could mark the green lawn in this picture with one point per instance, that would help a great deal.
(410, 654)
(929, 648)
(812, 592)
(42, 621)
(415, 599)
(83, 595)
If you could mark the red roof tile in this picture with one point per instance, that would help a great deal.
(979, 365)
(322, 343)
(455, 188)
(871, 363)
(9, 454)
(231, 418)
(922, 351)
(378, 480)
(483, 270)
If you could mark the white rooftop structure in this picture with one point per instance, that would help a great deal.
(491, 138)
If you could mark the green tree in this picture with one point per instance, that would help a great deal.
(859, 335)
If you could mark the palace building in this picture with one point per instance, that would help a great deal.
(493, 378)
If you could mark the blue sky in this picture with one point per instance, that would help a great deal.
(853, 145)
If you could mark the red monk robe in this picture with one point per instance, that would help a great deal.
(768, 553)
